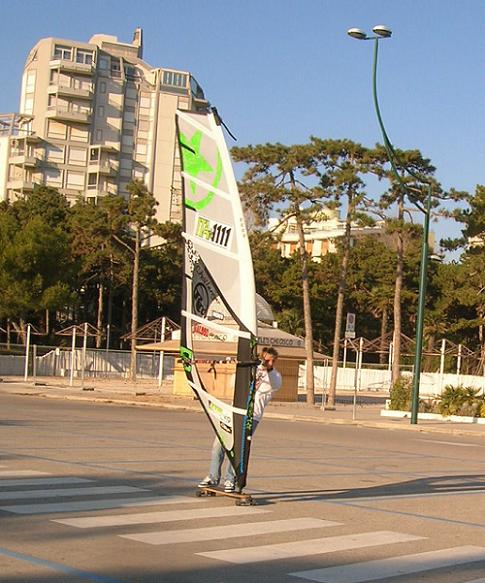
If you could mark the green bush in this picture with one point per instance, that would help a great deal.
(401, 395)
(461, 400)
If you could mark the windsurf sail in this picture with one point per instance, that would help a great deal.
(219, 302)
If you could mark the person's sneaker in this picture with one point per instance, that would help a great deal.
(208, 482)
(229, 486)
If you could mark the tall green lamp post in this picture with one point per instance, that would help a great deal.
(382, 32)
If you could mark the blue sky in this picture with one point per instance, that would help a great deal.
(282, 70)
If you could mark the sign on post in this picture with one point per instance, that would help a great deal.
(350, 326)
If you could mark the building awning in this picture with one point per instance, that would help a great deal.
(288, 346)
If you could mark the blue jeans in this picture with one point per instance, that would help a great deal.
(217, 458)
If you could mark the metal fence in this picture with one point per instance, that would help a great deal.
(372, 378)
(48, 361)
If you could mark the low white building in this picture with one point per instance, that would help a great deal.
(321, 234)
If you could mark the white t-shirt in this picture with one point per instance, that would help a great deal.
(267, 383)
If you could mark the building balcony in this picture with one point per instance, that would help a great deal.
(23, 160)
(101, 190)
(72, 193)
(20, 184)
(65, 114)
(29, 137)
(69, 91)
(200, 102)
(72, 66)
(105, 168)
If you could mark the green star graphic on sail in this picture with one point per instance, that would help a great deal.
(194, 164)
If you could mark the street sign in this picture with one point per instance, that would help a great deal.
(350, 326)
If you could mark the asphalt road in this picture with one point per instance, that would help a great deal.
(104, 493)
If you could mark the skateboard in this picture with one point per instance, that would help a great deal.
(241, 498)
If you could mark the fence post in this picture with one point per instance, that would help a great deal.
(160, 366)
(73, 351)
(324, 384)
(458, 365)
(27, 350)
(442, 363)
(108, 331)
(34, 362)
(361, 353)
(85, 340)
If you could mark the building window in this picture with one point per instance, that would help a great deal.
(196, 89)
(85, 57)
(54, 153)
(103, 63)
(100, 111)
(77, 156)
(62, 52)
(52, 176)
(139, 174)
(102, 87)
(28, 104)
(131, 93)
(141, 149)
(99, 135)
(75, 180)
(115, 67)
(92, 181)
(30, 82)
(79, 133)
(94, 154)
(131, 72)
(174, 79)
(56, 130)
(82, 83)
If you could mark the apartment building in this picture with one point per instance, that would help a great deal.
(93, 116)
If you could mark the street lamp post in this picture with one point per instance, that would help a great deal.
(382, 32)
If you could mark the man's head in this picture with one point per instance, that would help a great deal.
(269, 356)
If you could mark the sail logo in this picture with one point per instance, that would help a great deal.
(200, 161)
(200, 299)
(214, 232)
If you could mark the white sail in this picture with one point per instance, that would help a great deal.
(218, 303)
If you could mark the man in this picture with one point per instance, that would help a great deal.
(268, 381)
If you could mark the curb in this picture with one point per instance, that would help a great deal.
(269, 415)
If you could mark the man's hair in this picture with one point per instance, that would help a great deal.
(271, 351)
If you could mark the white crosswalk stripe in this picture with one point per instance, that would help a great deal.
(158, 517)
(228, 531)
(102, 499)
(395, 566)
(68, 492)
(43, 481)
(304, 548)
(87, 505)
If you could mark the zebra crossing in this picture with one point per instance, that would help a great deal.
(318, 539)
